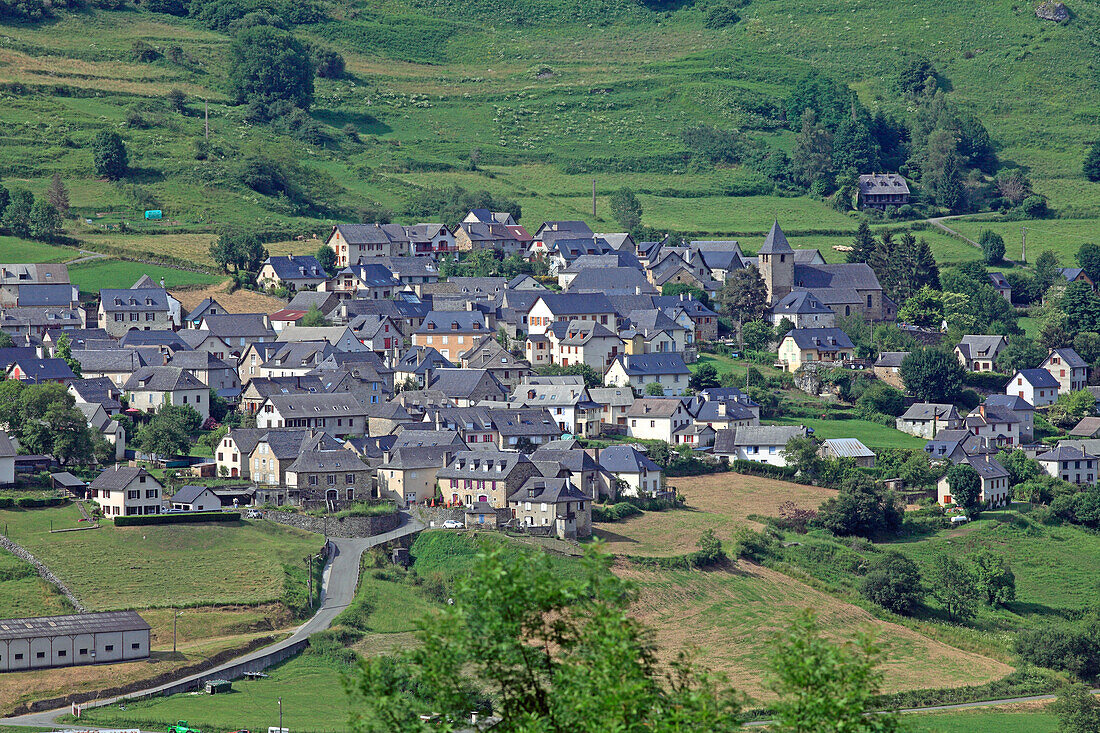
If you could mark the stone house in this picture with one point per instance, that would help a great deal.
(484, 476)
(149, 388)
(553, 503)
(1071, 371)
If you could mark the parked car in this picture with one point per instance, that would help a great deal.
(453, 524)
(254, 514)
(959, 519)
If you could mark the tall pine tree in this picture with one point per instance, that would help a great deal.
(863, 245)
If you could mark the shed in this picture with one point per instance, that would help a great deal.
(848, 448)
(68, 482)
(214, 687)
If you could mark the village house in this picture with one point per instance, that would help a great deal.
(41, 371)
(640, 370)
(888, 368)
(408, 476)
(1036, 386)
(1001, 285)
(232, 453)
(807, 345)
(149, 388)
(653, 332)
(338, 414)
(523, 428)
(582, 470)
(7, 460)
(294, 272)
(484, 476)
(472, 424)
(567, 401)
(195, 499)
(1021, 408)
(615, 401)
(926, 419)
(451, 333)
(276, 450)
(507, 239)
(210, 370)
(341, 338)
(488, 355)
(882, 191)
(1069, 463)
(363, 281)
(690, 313)
(418, 364)
(110, 430)
(553, 503)
(467, 387)
(579, 342)
(640, 476)
(329, 478)
(97, 391)
(760, 443)
(724, 407)
(994, 477)
(848, 448)
(1071, 371)
(954, 445)
(123, 491)
(658, 418)
(1088, 427)
(239, 331)
(551, 308)
(801, 308)
(979, 353)
(115, 364)
(354, 243)
(146, 309)
(997, 425)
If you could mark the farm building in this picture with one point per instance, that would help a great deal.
(66, 641)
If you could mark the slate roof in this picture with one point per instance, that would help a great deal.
(112, 360)
(992, 416)
(1087, 427)
(489, 354)
(1065, 453)
(189, 494)
(1036, 378)
(305, 299)
(655, 407)
(728, 440)
(44, 370)
(611, 280)
(463, 383)
(141, 299)
(626, 459)
(882, 184)
(611, 260)
(423, 456)
(46, 294)
(929, 411)
(1069, 357)
(296, 267)
(246, 438)
(10, 354)
(800, 302)
(820, 339)
(612, 396)
(578, 333)
(831, 283)
(119, 477)
(239, 325)
(7, 449)
(980, 347)
(986, 467)
(341, 459)
(161, 379)
(168, 339)
(289, 444)
(891, 358)
(41, 273)
(1010, 402)
(999, 281)
(197, 361)
(483, 464)
(776, 242)
(519, 422)
(652, 364)
(317, 405)
(97, 390)
(371, 233)
(41, 317)
(709, 411)
(446, 322)
(547, 491)
(649, 323)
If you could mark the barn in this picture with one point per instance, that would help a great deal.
(66, 641)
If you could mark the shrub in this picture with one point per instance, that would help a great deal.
(615, 512)
(720, 15)
(177, 518)
(1034, 207)
(1063, 648)
(893, 583)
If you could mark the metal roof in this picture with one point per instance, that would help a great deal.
(85, 623)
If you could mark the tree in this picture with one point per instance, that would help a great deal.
(854, 148)
(269, 65)
(314, 317)
(801, 454)
(705, 377)
(1077, 708)
(914, 75)
(996, 583)
(954, 586)
(654, 389)
(1020, 468)
(177, 100)
(592, 378)
(744, 294)
(71, 439)
(931, 375)
(1020, 353)
(17, 214)
(327, 257)
(1013, 185)
(169, 432)
(109, 155)
(862, 508)
(924, 308)
(1047, 270)
(1088, 259)
(824, 686)
(993, 246)
(626, 209)
(63, 350)
(757, 335)
(674, 289)
(863, 246)
(6, 341)
(942, 176)
(58, 195)
(893, 582)
(549, 652)
(812, 158)
(1081, 308)
(45, 221)
(966, 488)
(238, 247)
(1091, 166)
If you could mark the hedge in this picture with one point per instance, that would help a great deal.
(989, 381)
(754, 468)
(615, 512)
(31, 502)
(176, 518)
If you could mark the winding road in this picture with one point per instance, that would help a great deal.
(340, 580)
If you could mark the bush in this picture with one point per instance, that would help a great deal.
(986, 381)
(753, 468)
(615, 512)
(1034, 207)
(893, 583)
(1062, 648)
(720, 15)
(177, 518)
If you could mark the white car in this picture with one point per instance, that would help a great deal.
(453, 524)
(960, 519)
(254, 514)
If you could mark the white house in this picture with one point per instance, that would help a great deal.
(994, 482)
(640, 370)
(195, 499)
(126, 491)
(760, 443)
(641, 476)
(1037, 386)
(979, 353)
(657, 418)
(1071, 371)
(7, 460)
(1070, 464)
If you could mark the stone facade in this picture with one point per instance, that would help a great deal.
(332, 527)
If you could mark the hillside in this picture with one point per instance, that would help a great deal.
(550, 95)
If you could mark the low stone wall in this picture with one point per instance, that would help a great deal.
(332, 527)
(43, 571)
(435, 516)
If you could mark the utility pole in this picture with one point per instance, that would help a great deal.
(206, 116)
(309, 580)
(1023, 246)
(175, 615)
(593, 198)
(280, 715)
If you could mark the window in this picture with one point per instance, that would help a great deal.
(62, 653)
(312, 480)
(118, 319)
(19, 655)
(349, 478)
(135, 645)
(40, 655)
(83, 652)
(330, 479)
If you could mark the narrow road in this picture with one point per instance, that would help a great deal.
(938, 222)
(340, 581)
(86, 256)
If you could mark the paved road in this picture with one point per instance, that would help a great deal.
(341, 578)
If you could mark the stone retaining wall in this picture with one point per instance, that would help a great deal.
(332, 527)
(435, 516)
(43, 572)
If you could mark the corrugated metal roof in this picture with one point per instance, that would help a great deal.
(849, 448)
(87, 623)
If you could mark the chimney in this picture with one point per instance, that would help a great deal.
(637, 289)
(162, 282)
(981, 410)
(721, 409)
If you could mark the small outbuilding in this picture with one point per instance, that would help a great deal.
(848, 448)
(67, 641)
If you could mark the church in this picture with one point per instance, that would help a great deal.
(846, 289)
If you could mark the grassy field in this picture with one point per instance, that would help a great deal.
(14, 249)
(984, 720)
(869, 433)
(722, 502)
(160, 566)
(313, 701)
(91, 277)
(23, 593)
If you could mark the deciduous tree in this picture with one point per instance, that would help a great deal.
(996, 583)
(58, 195)
(269, 65)
(931, 375)
(966, 488)
(109, 155)
(626, 209)
(894, 583)
(954, 586)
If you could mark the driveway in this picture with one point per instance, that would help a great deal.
(340, 580)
